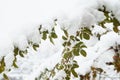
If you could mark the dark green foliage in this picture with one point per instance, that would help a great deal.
(53, 35)
(51, 39)
(44, 37)
(110, 18)
(65, 32)
(5, 76)
(85, 33)
(35, 46)
(74, 73)
(14, 63)
(2, 65)
(16, 51)
(64, 38)
(21, 53)
(76, 52)
(83, 53)
(86, 36)
(67, 55)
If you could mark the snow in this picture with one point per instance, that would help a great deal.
(20, 20)
(60, 75)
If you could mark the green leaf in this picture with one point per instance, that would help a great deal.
(53, 29)
(60, 67)
(116, 22)
(74, 61)
(16, 51)
(83, 46)
(76, 52)
(44, 37)
(5, 76)
(107, 20)
(65, 32)
(40, 27)
(86, 36)
(83, 52)
(2, 66)
(81, 36)
(115, 29)
(72, 37)
(78, 44)
(64, 44)
(51, 40)
(68, 43)
(67, 78)
(75, 66)
(88, 31)
(14, 64)
(26, 51)
(64, 38)
(35, 46)
(67, 55)
(102, 24)
(53, 35)
(21, 54)
(2, 62)
(74, 73)
(2, 69)
(77, 39)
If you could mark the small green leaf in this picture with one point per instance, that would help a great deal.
(115, 29)
(83, 46)
(64, 44)
(83, 53)
(88, 31)
(35, 46)
(116, 22)
(64, 38)
(2, 66)
(74, 73)
(53, 35)
(77, 39)
(51, 40)
(14, 64)
(44, 37)
(75, 66)
(5, 76)
(76, 52)
(53, 29)
(67, 55)
(81, 36)
(72, 37)
(16, 51)
(1, 69)
(60, 67)
(21, 54)
(74, 61)
(67, 78)
(2, 62)
(65, 32)
(68, 43)
(86, 36)
(78, 44)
